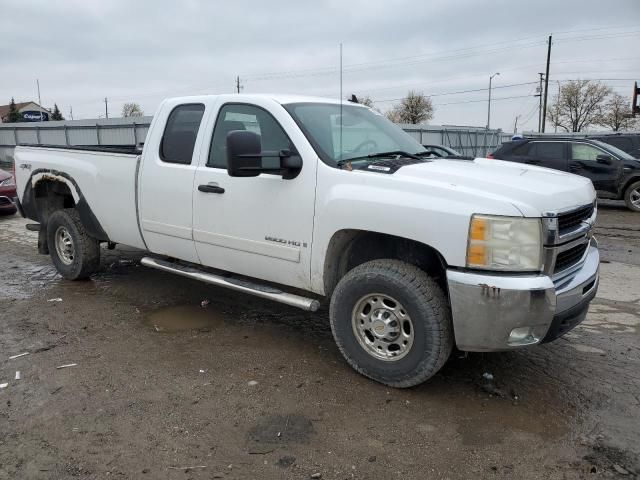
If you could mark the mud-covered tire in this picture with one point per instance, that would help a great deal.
(78, 254)
(632, 197)
(426, 305)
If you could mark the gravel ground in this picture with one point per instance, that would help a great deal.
(246, 388)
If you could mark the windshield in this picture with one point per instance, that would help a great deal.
(615, 150)
(364, 132)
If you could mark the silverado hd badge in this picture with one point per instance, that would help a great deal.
(292, 243)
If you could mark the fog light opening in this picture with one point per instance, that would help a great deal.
(522, 336)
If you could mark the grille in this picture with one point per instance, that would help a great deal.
(570, 257)
(568, 221)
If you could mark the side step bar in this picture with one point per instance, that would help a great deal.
(263, 291)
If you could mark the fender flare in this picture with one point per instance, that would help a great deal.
(30, 206)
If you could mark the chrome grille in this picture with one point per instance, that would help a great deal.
(567, 236)
(570, 257)
(570, 220)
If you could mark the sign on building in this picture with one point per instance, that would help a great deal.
(34, 116)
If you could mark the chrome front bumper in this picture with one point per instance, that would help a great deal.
(503, 312)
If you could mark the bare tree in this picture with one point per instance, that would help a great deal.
(414, 108)
(617, 114)
(367, 101)
(393, 115)
(579, 105)
(132, 110)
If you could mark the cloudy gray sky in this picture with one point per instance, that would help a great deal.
(145, 50)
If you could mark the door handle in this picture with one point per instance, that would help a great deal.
(531, 161)
(574, 167)
(210, 189)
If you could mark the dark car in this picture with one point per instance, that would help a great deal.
(615, 174)
(627, 142)
(7, 193)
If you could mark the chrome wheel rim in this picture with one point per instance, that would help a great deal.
(383, 327)
(64, 246)
(635, 197)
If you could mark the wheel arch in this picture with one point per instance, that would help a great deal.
(627, 183)
(47, 191)
(349, 248)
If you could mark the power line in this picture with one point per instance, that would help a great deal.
(481, 100)
(460, 91)
(435, 56)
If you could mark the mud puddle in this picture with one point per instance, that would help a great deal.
(184, 317)
(22, 279)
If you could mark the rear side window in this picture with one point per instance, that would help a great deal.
(521, 150)
(180, 134)
(549, 150)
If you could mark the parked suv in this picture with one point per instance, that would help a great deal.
(615, 174)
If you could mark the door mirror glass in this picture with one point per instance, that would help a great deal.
(244, 157)
(604, 159)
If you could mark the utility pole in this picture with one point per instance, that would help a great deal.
(540, 107)
(489, 105)
(238, 86)
(546, 86)
(39, 101)
(106, 108)
(71, 112)
(555, 129)
(515, 125)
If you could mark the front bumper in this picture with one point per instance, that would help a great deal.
(503, 312)
(7, 204)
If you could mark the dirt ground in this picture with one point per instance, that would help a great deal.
(246, 388)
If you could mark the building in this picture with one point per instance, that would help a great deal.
(29, 111)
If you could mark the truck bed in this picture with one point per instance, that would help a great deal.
(105, 176)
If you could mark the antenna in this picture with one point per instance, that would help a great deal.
(39, 101)
(340, 101)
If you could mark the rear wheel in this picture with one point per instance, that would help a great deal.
(632, 197)
(392, 322)
(74, 253)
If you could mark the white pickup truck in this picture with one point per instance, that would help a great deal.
(279, 195)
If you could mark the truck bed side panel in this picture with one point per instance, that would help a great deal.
(106, 180)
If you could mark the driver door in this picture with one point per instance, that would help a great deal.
(605, 174)
(255, 226)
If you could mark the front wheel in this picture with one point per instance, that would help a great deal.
(632, 197)
(392, 322)
(74, 253)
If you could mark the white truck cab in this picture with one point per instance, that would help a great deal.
(270, 193)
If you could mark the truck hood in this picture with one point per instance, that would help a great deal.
(532, 190)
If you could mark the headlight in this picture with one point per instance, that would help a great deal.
(505, 243)
(8, 182)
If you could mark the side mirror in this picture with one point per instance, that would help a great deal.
(245, 157)
(604, 159)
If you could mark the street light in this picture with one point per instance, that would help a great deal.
(489, 107)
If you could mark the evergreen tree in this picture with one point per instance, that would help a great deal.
(14, 115)
(56, 114)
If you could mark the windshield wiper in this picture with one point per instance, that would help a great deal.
(392, 153)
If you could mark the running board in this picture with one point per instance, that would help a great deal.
(263, 291)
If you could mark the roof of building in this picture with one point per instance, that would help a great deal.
(4, 109)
